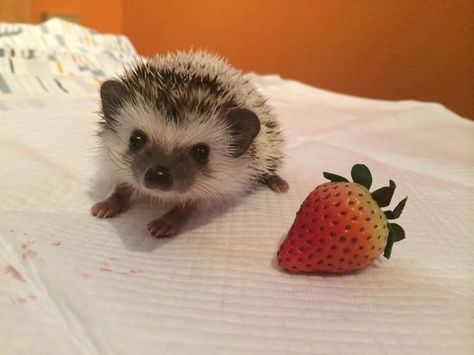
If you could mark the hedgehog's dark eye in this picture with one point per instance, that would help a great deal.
(200, 152)
(137, 140)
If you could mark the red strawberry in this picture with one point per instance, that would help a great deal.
(340, 227)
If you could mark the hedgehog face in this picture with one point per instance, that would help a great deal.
(195, 156)
(160, 169)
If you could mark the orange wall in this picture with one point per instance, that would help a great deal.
(400, 49)
(102, 15)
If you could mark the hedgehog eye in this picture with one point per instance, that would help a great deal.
(200, 152)
(137, 140)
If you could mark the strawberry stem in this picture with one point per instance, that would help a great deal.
(361, 175)
(396, 233)
(383, 196)
(334, 178)
(397, 211)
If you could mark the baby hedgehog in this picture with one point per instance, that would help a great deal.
(187, 129)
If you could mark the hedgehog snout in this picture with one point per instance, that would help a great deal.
(158, 176)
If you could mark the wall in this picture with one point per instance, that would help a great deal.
(15, 10)
(102, 15)
(401, 49)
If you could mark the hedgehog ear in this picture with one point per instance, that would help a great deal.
(112, 94)
(244, 126)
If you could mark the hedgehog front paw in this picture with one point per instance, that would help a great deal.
(108, 208)
(162, 227)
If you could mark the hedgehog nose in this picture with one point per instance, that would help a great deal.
(158, 176)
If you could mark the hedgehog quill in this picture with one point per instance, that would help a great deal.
(187, 129)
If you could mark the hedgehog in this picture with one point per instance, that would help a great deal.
(189, 130)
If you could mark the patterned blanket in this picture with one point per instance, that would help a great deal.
(58, 57)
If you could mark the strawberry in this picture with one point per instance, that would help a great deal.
(340, 227)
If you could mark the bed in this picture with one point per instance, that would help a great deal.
(73, 284)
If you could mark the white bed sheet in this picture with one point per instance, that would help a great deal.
(72, 284)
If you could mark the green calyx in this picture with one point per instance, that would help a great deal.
(361, 175)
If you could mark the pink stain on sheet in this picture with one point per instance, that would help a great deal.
(84, 275)
(105, 269)
(27, 254)
(11, 271)
(18, 300)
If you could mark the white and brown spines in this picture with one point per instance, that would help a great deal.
(175, 91)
